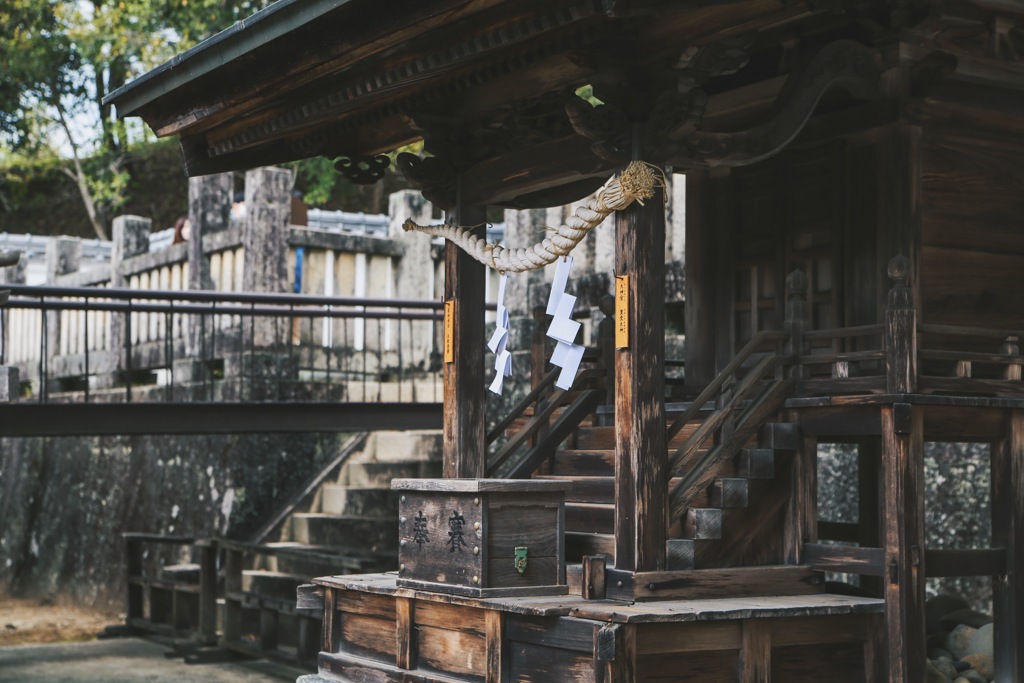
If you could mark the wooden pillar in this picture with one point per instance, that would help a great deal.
(868, 504)
(903, 476)
(900, 330)
(464, 379)
(701, 310)
(1008, 533)
(207, 591)
(641, 459)
(802, 507)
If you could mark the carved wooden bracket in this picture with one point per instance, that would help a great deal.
(363, 170)
(435, 177)
(842, 64)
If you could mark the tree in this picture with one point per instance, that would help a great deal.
(59, 59)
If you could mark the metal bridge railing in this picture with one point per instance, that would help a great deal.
(129, 345)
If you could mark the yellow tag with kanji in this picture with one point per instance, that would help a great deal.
(449, 333)
(621, 311)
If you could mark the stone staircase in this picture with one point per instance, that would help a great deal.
(349, 525)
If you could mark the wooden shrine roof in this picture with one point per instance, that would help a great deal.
(485, 83)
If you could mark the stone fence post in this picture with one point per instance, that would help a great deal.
(63, 256)
(268, 208)
(129, 237)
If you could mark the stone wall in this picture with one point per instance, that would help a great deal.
(64, 502)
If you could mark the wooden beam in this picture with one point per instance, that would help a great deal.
(641, 458)
(903, 476)
(464, 435)
(802, 505)
(695, 584)
(969, 562)
(756, 652)
(1008, 532)
(846, 559)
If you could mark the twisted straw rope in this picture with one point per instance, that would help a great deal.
(635, 184)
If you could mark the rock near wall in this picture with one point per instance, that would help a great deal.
(64, 502)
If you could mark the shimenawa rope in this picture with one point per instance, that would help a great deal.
(636, 183)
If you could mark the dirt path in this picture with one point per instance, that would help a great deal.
(28, 621)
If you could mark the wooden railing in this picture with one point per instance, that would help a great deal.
(541, 431)
(745, 398)
(970, 360)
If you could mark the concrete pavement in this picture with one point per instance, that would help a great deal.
(126, 660)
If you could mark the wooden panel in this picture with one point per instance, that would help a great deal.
(818, 630)
(698, 637)
(368, 637)
(714, 583)
(843, 663)
(962, 286)
(513, 525)
(453, 651)
(706, 667)
(494, 642)
(366, 604)
(405, 640)
(973, 195)
(529, 663)
(540, 571)
(564, 633)
(450, 616)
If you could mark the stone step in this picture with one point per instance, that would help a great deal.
(399, 446)
(321, 561)
(592, 517)
(357, 535)
(367, 502)
(702, 523)
(380, 474)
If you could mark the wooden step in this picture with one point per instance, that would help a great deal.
(781, 436)
(271, 584)
(602, 489)
(598, 438)
(729, 492)
(702, 523)
(579, 543)
(593, 517)
(756, 463)
(584, 462)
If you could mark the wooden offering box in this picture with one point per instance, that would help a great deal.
(482, 537)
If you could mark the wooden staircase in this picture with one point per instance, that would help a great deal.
(716, 530)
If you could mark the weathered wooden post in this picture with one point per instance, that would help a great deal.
(903, 481)
(1011, 348)
(464, 435)
(207, 591)
(900, 330)
(641, 458)
(1008, 533)
(796, 319)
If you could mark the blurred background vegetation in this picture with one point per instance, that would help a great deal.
(67, 164)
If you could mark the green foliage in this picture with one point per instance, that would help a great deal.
(60, 58)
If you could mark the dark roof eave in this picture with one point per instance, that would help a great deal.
(263, 27)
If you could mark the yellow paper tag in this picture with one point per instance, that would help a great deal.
(449, 334)
(621, 311)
